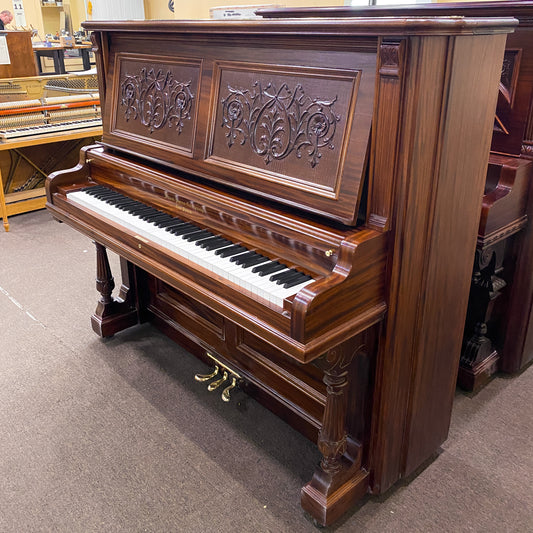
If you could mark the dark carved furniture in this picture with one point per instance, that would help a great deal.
(335, 150)
(499, 327)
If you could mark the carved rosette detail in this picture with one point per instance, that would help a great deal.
(390, 55)
(278, 122)
(156, 99)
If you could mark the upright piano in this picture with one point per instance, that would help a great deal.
(295, 203)
(498, 332)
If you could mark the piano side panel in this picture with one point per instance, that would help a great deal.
(446, 284)
(446, 132)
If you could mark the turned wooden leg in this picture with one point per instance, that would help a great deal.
(3, 208)
(339, 481)
(111, 315)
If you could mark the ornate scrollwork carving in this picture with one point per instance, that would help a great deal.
(278, 122)
(156, 99)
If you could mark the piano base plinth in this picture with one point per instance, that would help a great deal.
(474, 378)
(114, 317)
(326, 500)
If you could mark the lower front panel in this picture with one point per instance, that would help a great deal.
(293, 391)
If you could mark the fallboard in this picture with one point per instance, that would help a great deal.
(283, 118)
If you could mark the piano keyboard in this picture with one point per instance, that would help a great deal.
(42, 129)
(246, 268)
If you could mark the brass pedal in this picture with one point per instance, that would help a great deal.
(215, 384)
(227, 390)
(207, 377)
(226, 375)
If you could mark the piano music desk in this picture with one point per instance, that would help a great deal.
(32, 200)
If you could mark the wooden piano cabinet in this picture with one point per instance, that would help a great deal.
(338, 148)
(498, 331)
(490, 337)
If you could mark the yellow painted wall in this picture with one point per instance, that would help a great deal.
(158, 10)
(199, 9)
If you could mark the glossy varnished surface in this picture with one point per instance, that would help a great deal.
(361, 359)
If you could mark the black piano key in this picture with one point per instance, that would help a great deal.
(118, 201)
(108, 196)
(290, 276)
(158, 217)
(138, 210)
(230, 250)
(174, 223)
(253, 261)
(197, 235)
(148, 216)
(184, 230)
(107, 193)
(92, 189)
(268, 268)
(296, 281)
(213, 243)
(281, 276)
(243, 257)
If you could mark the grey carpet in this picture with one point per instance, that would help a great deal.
(105, 436)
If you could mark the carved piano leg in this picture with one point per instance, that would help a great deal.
(339, 481)
(111, 315)
(479, 358)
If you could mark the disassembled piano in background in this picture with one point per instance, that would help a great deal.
(34, 113)
(290, 204)
(499, 326)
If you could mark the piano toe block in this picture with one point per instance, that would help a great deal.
(327, 506)
(112, 318)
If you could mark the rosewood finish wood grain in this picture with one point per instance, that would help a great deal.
(359, 359)
(505, 212)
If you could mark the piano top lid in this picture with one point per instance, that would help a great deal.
(367, 26)
(522, 10)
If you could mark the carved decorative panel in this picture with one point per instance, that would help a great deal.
(156, 101)
(285, 125)
(508, 82)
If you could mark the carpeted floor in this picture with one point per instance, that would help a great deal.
(116, 436)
